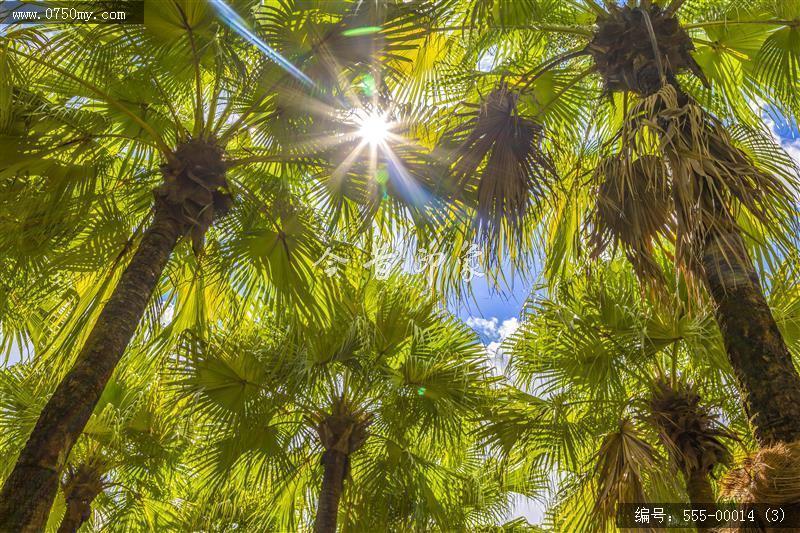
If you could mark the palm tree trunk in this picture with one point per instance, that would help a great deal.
(701, 493)
(769, 382)
(28, 493)
(334, 463)
(699, 489)
(79, 509)
(76, 514)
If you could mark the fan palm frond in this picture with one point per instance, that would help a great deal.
(633, 208)
(622, 461)
(499, 164)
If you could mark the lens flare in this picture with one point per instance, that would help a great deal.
(237, 24)
(373, 128)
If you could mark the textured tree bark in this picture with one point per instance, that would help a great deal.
(335, 469)
(79, 508)
(700, 492)
(769, 382)
(75, 515)
(28, 493)
(698, 488)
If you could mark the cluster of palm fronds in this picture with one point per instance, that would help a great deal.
(186, 207)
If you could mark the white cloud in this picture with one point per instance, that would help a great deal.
(531, 509)
(167, 314)
(508, 327)
(487, 60)
(492, 329)
(492, 348)
(494, 333)
(792, 146)
(484, 326)
(793, 149)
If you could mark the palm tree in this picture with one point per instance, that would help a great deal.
(342, 431)
(691, 436)
(364, 425)
(663, 164)
(130, 443)
(608, 410)
(184, 107)
(172, 99)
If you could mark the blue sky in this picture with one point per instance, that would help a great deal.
(491, 303)
(495, 314)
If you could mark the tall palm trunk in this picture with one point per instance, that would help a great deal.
(192, 194)
(76, 514)
(701, 494)
(769, 382)
(334, 464)
(28, 493)
(342, 431)
(699, 489)
(80, 490)
(78, 511)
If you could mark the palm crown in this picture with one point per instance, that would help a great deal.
(265, 134)
(389, 387)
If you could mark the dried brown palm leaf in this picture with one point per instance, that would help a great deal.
(769, 476)
(499, 165)
(691, 435)
(640, 48)
(620, 465)
(711, 176)
(707, 176)
(633, 209)
(703, 144)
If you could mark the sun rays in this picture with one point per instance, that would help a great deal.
(353, 116)
(237, 24)
(373, 128)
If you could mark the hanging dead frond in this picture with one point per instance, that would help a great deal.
(694, 188)
(711, 176)
(770, 475)
(633, 209)
(690, 433)
(620, 465)
(499, 164)
(640, 49)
